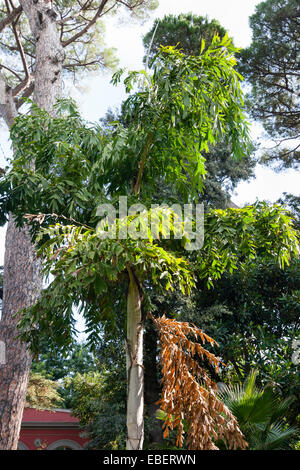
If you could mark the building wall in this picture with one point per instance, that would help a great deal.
(44, 429)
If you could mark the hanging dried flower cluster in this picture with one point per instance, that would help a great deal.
(189, 396)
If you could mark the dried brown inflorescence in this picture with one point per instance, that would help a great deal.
(189, 395)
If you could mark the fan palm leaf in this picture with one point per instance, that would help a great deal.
(260, 414)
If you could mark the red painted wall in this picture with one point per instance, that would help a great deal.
(51, 434)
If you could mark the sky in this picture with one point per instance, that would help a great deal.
(96, 94)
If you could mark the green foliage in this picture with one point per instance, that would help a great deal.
(54, 365)
(99, 399)
(254, 316)
(235, 235)
(56, 157)
(187, 105)
(292, 203)
(42, 393)
(223, 171)
(108, 430)
(165, 139)
(260, 415)
(223, 174)
(1, 286)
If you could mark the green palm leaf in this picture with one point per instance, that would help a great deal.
(260, 414)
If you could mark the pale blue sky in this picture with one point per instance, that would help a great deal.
(99, 95)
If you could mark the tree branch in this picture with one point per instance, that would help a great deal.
(21, 87)
(26, 94)
(21, 50)
(11, 71)
(82, 64)
(75, 15)
(10, 17)
(89, 25)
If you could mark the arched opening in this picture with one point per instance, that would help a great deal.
(64, 444)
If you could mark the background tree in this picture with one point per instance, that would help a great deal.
(223, 171)
(258, 309)
(54, 365)
(42, 393)
(271, 65)
(186, 31)
(98, 399)
(39, 41)
(249, 319)
(253, 340)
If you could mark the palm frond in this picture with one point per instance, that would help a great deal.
(259, 413)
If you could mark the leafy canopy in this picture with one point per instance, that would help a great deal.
(185, 105)
(187, 32)
(85, 266)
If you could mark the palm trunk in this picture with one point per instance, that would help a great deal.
(135, 371)
(22, 271)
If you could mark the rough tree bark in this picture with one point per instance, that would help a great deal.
(22, 273)
(134, 364)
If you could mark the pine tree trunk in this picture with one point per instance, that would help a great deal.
(22, 271)
(135, 371)
(21, 287)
